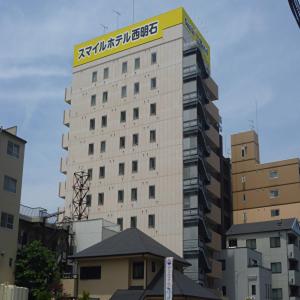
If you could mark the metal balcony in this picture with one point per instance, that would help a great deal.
(192, 245)
(204, 197)
(191, 71)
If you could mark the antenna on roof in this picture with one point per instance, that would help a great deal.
(118, 14)
(251, 124)
(104, 28)
(133, 11)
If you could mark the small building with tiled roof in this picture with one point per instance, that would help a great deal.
(130, 265)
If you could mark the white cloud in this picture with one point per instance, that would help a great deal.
(15, 72)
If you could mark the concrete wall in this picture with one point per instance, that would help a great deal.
(91, 232)
(9, 203)
(238, 276)
(116, 274)
(271, 255)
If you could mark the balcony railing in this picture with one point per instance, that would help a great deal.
(191, 71)
(293, 252)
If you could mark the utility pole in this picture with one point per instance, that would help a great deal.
(104, 28)
(118, 14)
(133, 11)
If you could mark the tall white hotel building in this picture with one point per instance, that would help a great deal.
(143, 123)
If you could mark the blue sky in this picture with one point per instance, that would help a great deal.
(255, 59)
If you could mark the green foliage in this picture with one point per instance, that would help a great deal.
(36, 269)
(85, 296)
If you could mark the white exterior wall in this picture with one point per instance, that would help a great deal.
(167, 177)
(271, 255)
(91, 232)
(238, 278)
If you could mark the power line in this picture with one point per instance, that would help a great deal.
(295, 8)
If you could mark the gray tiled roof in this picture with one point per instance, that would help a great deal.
(276, 225)
(182, 287)
(128, 242)
(127, 295)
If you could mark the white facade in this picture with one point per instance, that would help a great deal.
(151, 188)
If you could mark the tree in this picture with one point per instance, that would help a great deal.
(36, 269)
(85, 296)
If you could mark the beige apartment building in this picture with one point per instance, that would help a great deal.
(11, 169)
(262, 192)
(143, 124)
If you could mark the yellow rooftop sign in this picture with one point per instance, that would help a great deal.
(138, 34)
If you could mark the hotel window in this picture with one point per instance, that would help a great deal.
(133, 222)
(104, 97)
(10, 184)
(275, 212)
(124, 91)
(232, 243)
(277, 294)
(136, 113)
(152, 136)
(89, 273)
(92, 124)
(100, 198)
(90, 174)
(13, 149)
(137, 63)
(153, 83)
(134, 194)
(134, 167)
(151, 191)
(91, 149)
(152, 163)
(104, 121)
(123, 116)
(88, 200)
(121, 168)
(243, 179)
(153, 58)
(135, 139)
(274, 193)
(152, 109)
(94, 76)
(122, 142)
(101, 172)
(244, 197)
(275, 242)
(251, 243)
(120, 223)
(276, 267)
(7, 220)
(273, 174)
(102, 146)
(136, 88)
(124, 67)
(105, 73)
(138, 270)
(93, 100)
(151, 221)
(120, 196)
